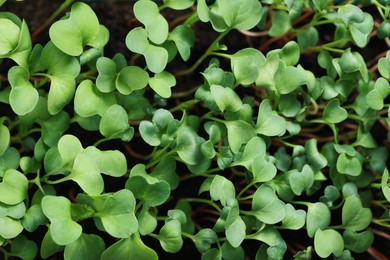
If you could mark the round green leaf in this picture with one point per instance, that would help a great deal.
(316, 159)
(87, 246)
(226, 98)
(97, 103)
(9, 36)
(239, 133)
(358, 242)
(13, 188)
(10, 227)
(147, 12)
(170, 236)
(235, 227)
(280, 24)
(301, 181)
(80, 29)
(223, 190)
(295, 219)
(327, 242)
(262, 170)
(354, 216)
(184, 38)
(4, 139)
(204, 239)
(245, 65)
(69, 147)
(266, 206)
(162, 83)
(242, 15)
(24, 248)
(269, 123)
(114, 122)
(117, 214)
(348, 165)
(129, 248)
(63, 229)
(178, 4)
(333, 113)
(317, 217)
(131, 78)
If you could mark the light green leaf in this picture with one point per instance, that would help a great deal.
(288, 79)
(63, 229)
(178, 4)
(13, 188)
(23, 96)
(316, 159)
(348, 165)
(129, 248)
(86, 174)
(71, 35)
(10, 36)
(280, 24)
(107, 69)
(307, 38)
(156, 57)
(4, 139)
(268, 122)
(147, 12)
(245, 65)
(295, 219)
(223, 190)
(117, 214)
(317, 217)
(266, 206)
(360, 32)
(204, 239)
(235, 227)
(131, 78)
(87, 246)
(354, 216)
(384, 184)
(262, 170)
(226, 98)
(10, 227)
(376, 96)
(239, 133)
(240, 16)
(147, 221)
(162, 82)
(333, 113)
(114, 122)
(170, 236)
(184, 38)
(69, 147)
(301, 181)
(327, 242)
(384, 66)
(97, 103)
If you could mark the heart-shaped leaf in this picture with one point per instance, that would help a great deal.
(162, 83)
(87, 246)
(384, 66)
(295, 219)
(226, 98)
(333, 113)
(327, 242)
(107, 69)
(317, 217)
(240, 16)
(69, 146)
(348, 165)
(239, 133)
(156, 57)
(117, 214)
(147, 12)
(129, 248)
(13, 188)
(266, 206)
(114, 122)
(4, 139)
(178, 4)
(376, 96)
(87, 174)
(184, 38)
(74, 33)
(10, 227)
(245, 65)
(354, 216)
(170, 236)
(268, 122)
(316, 159)
(235, 227)
(262, 170)
(131, 78)
(10, 36)
(63, 229)
(360, 32)
(358, 242)
(97, 103)
(23, 97)
(301, 181)
(280, 24)
(223, 190)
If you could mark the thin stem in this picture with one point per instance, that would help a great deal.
(238, 197)
(198, 200)
(203, 57)
(49, 21)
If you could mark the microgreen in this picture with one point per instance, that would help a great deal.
(193, 145)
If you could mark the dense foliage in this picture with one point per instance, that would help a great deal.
(103, 155)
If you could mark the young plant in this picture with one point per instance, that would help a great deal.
(280, 145)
